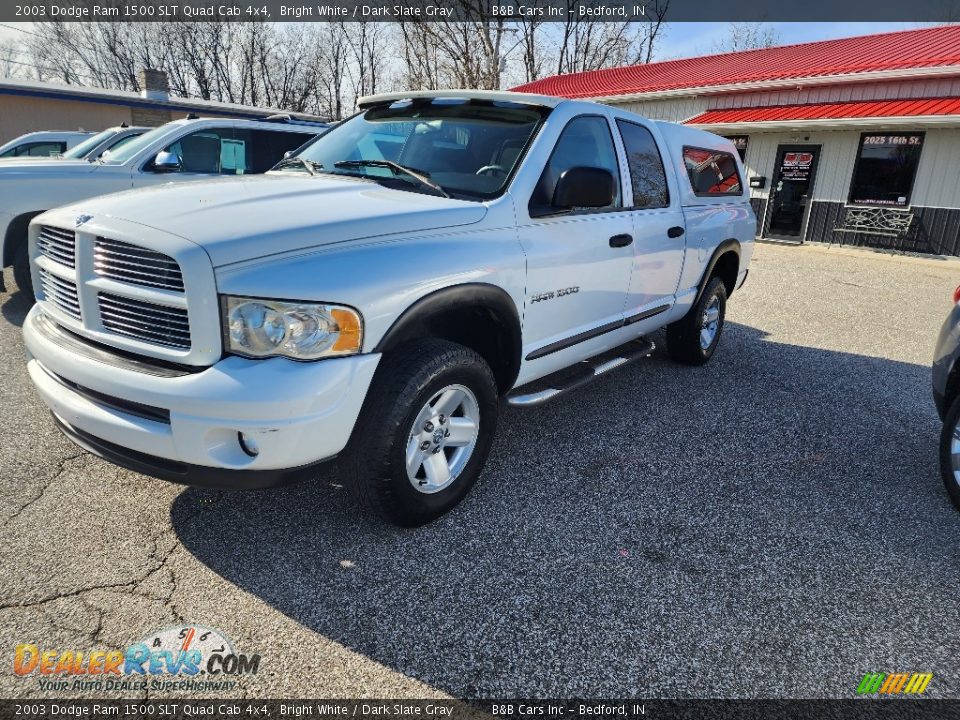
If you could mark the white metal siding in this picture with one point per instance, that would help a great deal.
(679, 109)
(835, 164)
(932, 87)
(937, 183)
(671, 110)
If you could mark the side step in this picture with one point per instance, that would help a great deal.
(583, 373)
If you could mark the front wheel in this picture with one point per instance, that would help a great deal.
(424, 432)
(21, 270)
(950, 452)
(693, 339)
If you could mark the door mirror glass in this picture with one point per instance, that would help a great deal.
(584, 187)
(166, 162)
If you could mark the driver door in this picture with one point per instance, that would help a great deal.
(578, 261)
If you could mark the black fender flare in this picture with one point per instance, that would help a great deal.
(724, 247)
(414, 319)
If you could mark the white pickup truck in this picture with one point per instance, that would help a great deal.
(374, 298)
(182, 150)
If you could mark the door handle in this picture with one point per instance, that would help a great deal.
(675, 232)
(621, 240)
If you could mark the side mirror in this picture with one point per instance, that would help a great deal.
(166, 162)
(584, 187)
(288, 154)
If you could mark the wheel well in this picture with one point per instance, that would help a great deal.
(16, 232)
(726, 268)
(480, 317)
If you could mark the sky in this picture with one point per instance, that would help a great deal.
(688, 39)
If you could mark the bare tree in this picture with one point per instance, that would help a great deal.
(11, 59)
(420, 57)
(366, 43)
(585, 44)
(535, 56)
(747, 36)
(466, 52)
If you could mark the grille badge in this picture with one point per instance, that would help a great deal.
(83, 218)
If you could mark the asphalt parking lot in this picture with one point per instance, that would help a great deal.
(770, 525)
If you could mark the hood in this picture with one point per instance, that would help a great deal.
(237, 219)
(39, 165)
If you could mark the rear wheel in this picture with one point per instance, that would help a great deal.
(693, 339)
(424, 432)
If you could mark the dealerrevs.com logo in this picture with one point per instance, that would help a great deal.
(894, 683)
(174, 658)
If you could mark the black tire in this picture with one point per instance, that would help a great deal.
(21, 270)
(374, 464)
(683, 336)
(950, 481)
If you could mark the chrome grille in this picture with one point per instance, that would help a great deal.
(60, 293)
(148, 322)
(133, 264)
(57, 244)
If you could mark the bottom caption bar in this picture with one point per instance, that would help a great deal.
(864, 709)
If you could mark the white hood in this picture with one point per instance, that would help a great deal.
(239, 219)
(40, 167)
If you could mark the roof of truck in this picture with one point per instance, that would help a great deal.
(491, 95)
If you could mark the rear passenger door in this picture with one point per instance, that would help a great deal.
(657, 225)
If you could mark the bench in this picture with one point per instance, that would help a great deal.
(888, 222)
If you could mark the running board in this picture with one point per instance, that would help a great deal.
(583, 373)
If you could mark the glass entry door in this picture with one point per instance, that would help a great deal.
(790, 191)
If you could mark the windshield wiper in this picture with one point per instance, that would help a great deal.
(310, 165)
(397, 169)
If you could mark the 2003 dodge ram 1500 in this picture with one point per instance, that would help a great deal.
(373, 298)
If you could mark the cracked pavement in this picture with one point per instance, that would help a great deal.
(778, 512)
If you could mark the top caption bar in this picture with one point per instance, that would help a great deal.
(559, 11)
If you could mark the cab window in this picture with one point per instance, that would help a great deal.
(647, 175)
(234, 151)
(585, 142)
(712, 172)
(36, 149)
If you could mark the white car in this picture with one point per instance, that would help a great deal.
(42, 144)
(108, 140)
(182, 150)
(374, 298)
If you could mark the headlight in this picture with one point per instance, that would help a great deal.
(302, 331)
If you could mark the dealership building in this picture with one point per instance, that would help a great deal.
(29, 106)
(854, 140)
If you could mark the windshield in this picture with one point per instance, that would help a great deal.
(120, 155)
(469, 148)
(80, 151)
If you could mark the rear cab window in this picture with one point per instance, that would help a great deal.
(712, 173)
(648, 178)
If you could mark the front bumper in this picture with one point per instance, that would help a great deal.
(184, 425)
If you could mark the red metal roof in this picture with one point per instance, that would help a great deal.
(919, 107)
(911, 49)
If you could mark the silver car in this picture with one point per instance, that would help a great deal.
(946, 395)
